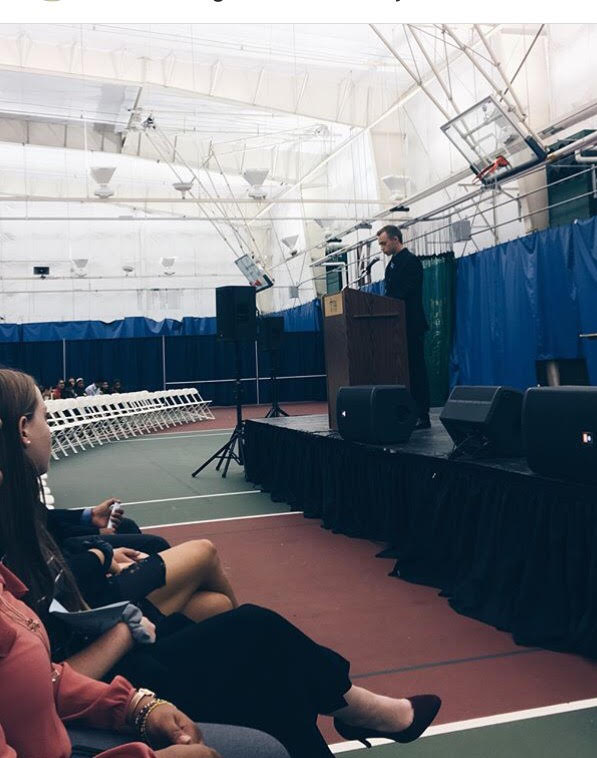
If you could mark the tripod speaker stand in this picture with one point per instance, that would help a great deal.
(236, 321)
(275, 410)
(269, 339)
(233, 450)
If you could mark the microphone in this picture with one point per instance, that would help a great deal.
(371, 262)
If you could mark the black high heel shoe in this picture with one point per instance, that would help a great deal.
(425, 708)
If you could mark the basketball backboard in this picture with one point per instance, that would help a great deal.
(495, 143)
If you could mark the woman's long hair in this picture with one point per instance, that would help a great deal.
(26, 546)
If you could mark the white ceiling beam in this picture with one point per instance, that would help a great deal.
(48, 133)
(210, 218)
(230, 85)
(24, 46)
(346, 90)
(301, 92)
(258, 86)
(216, 69)
(31, 198)
(168, 64)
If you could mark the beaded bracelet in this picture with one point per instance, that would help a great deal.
(139, 716)
(143, 715)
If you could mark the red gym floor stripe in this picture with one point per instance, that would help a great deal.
(400, 638)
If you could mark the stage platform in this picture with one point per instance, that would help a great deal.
(506, 546)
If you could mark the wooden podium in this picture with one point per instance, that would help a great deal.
(365, 342)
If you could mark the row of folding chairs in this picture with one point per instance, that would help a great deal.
(82, 422)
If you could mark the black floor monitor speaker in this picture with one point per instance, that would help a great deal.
(560, 431)
(484, 421)
(235, 313)
(378, 414)
(269, 332)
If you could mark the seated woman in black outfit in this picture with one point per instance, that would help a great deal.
(248, 667)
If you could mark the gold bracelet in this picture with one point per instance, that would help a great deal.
(147, 711)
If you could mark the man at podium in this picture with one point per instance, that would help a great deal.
(404, 280)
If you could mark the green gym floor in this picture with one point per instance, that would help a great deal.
(500, 700)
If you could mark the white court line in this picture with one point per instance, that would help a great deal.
(194, 431)
(461, 726)
(214, 520)
(185, 436)
(193, 497)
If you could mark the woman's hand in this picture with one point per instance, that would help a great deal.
(166, 725)
(188, 751)
(123, 557)
(126, 556)
(149, 627)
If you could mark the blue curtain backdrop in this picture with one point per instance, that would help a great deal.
(523, 301)
(133, 350)
(516, 303)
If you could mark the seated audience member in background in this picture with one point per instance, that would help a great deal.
(116, 388)
(46, 392)
(104, 387)
(248, 666)
(80, 387)
(69, 389)
(58, 389)
(94, 388)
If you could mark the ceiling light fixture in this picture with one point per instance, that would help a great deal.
(168, 265)
(103, 175)
(290, 243)
(79, 266)
(183, 187)
(255, 177)
(397, 185)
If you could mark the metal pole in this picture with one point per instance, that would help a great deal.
(587, 141)
(257, 371)
(507, 82)
(480, 69)
(433, 67)
(418, 81)
(64, 360)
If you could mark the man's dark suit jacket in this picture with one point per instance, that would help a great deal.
(404, 280)
(63, 523)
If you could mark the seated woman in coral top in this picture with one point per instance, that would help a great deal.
(37, 695)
